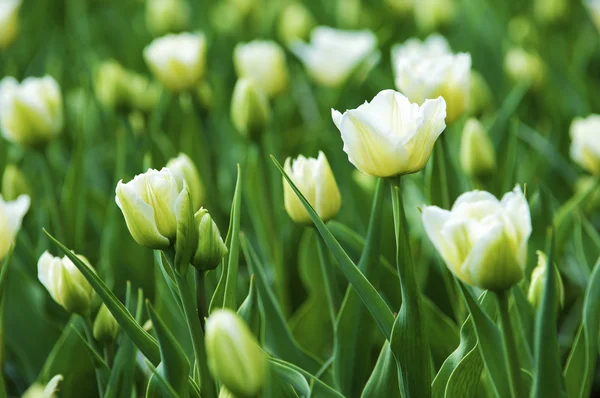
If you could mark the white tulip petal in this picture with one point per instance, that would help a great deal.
(15, 212)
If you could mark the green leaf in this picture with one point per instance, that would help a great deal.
(384, 378)
(284, 381)
(4, 271)
(224, 295)
(96, 358)
(443, 333)
(352, 350)
(368, 294)
(490, 343)
(293, 373)
(548, 380)
(158, 385)
(174, 365)
(409, 341)
(465, 362)
(276, 338)
(580, 368)
(146, 343)
(249, 311)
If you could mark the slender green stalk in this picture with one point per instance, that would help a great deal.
(334, 299)
(201, 303)
(510, 347)
(197, 335)
(53, 209)
(87, 328)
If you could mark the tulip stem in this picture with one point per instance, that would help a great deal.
(87, 328)
(201, 297)
(53, 209)
(197, 336)
(333, 297)
(510, 347)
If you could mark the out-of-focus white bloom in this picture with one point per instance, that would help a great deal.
(31, 113)
(151, 204)
(522, 66)
(65, 283)
(11, 217)
(593, 7)
(264, 62)
(314, 178)
(428, 69)
(9, 22)
(482, 240)
(38, 390)
(432, 14)
(391, 136)
(185, 168)
(334, 54)
(585, 145)
(477, 154)
(166, 16)
(250, 109)
(177, 60)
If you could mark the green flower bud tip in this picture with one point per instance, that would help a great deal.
(250, 110)
(106, 327)
(234, 356)
(538, 281)
(477, 154)
(211, 248)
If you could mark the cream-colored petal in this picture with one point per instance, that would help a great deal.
(420, 145)
(327, 196)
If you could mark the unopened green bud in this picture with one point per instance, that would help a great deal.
(522, 66)
(250, 110)
(550, 11)
(205, 95)
(106, 327)
(477, 155)
(234, 357)
(432, 14)
(400, 7)
(538, 281)
(480, 95)
(109, 84)
(583, 184)
(184, 167)
(167, 16)
(14, 183)
(141, 93)
(522, 32)
(295, 23)
(211, 248)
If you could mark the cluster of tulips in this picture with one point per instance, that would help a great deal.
(481, 239)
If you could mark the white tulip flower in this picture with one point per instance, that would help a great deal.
(482, 240)
(334, 54)
(428, 69)
(9, 22)
(585, 146)
(11, 217)
(264, 62)
(315, 180)
(391, 136)
(177, 60)
(31, 113)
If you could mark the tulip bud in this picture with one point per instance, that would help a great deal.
(479, 98)
(14, 183)
(106, 327)
(333, 55)
(140, 92)
(522, 31)
(585, 144)
(538, 282)
(211, 248)
(263, 61)
(31, 113)
(391, 136)
(65, 283)
(295, 23)
(585, 183)
(166, 16)
(38, 390)
(477, 155)
(204, 95)
(109, 84)
(314, 178)
(433, 14)
(250, 109)
(401, 7)
(234, 356)
(177, 61)
(428, 69)
(153, 204)
(184, 167)
(550, 11)
(482, 240)
(11, 216)
(522, 66)
(9, 22)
